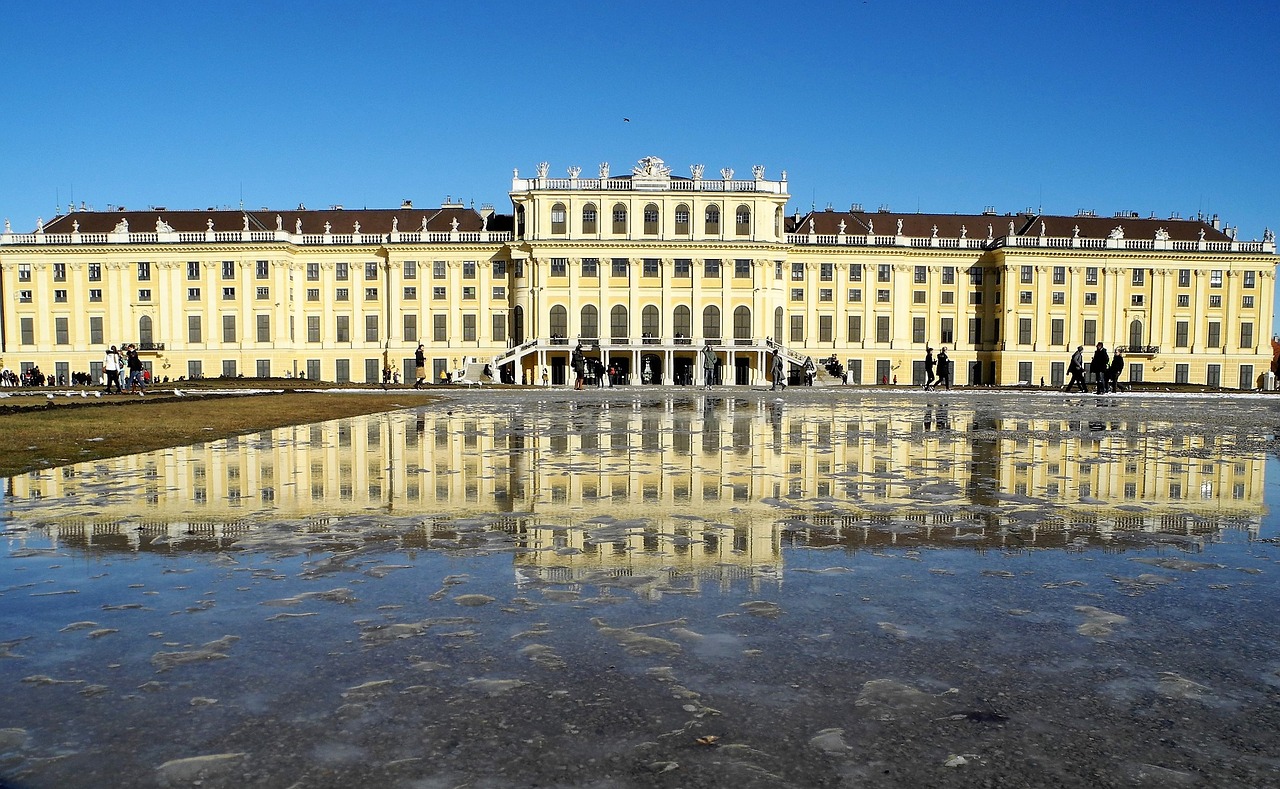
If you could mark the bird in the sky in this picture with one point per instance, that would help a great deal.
(626, 120)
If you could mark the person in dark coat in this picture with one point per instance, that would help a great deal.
(1113, 371)
(928, 368)
(944, 369)
(1098, 366)
(1076, 371)
(579, 364)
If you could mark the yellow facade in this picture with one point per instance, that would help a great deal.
(644, 269)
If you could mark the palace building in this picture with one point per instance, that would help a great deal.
(645, 270)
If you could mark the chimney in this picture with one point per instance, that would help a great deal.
(406, 204)
(1216, 224)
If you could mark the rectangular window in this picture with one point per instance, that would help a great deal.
(620, 268)
(410, 268)
(918, 297)
(1024, 331)
(144, 271)
(975, 331)
(855, 272)
(1215, 300)
(228, 328)
(95, 272)
(313, 294)
(144, 294)
(1059, 297)
(975, 276)
(410, 293)
(826, 272)
(1139, 276)
(797, 294)
(1024, 297)
(499, 322)
(1250, 279)
(797, 328)
(371, 328)
(195, 369)
(1182, 332)
(469, 293)
(228, 269)
(825, 294)
(264, 368)
(559, 267)
(469, 327)
(438, 269)
(370, 294)
(370, 271)
(60, 297)
(1026, 274)
(27, 330)
(228, 368)
(882, 295)
(797, 272)
(884, 273)
(683, 268)
(1136, 300)
(649, 267)
(263, 293)
(882, 328)
(917, 331)
(193, 270)
(825, 328)
(95, 294)
(438, 294)
(193, 294)
(1057, 331)
(410, 327)
(1184, 278)
(342, 271)
(313, 328)
(1184, 300)
(342, 294)
(1091, 276)
(499, 292)
(1182, 373)
(948, 333)
(262, 269)
(1090, 332)
(1059, 275)
(1091, 299)
(59, 272)
(948, 275)
(1246, 334)
(742, 269)
(229, 293)
(921, 275)
(1215, 335)
(95, 331)
(1246, 302)
(975, 297)
(264, 327)
(590, 267)
(1215, 278)
(342, 371)
(195, 332)
(711, 268)
(855, 328)
(1213, 375)
(343, 326)
(468, 269)
(438, 331)
(60, 332)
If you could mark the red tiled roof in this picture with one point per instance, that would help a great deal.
(976, 225)
(372, 220)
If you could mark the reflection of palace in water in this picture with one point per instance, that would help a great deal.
(676, 481)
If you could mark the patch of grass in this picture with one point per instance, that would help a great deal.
(65, 432)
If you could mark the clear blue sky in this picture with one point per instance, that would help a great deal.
(940, 106)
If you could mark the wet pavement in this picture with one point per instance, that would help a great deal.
(628, 589)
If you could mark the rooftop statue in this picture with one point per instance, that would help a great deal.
(163, 226)
(1116, 233)
(122, 226)
(246, 223)
(604, 170)
(899, 227)
(1162, 234)
(209, 225)
(651, 166)
(1268, 235)
(696, 169)
(453, 224)
(279, 223)
(964, 232)
(395, 224)
(297, 225)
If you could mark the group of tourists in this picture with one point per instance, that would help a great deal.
(1105, 369)
(135, 377)
(943, 364)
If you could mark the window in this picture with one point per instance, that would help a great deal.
(262, 269)
(1246, 334)
(1184, 278)
(1059, 275)
(1182, 373)
(683, 268)
(1135, 335)
(313, 328)
(1024, 331)
(60, 332)
(1059, 297)
(825, 294)
(711, 323)
(411, 269)
(921, 275)
(742, 269)
(619, 268)
(438, 269)
(469, 293)
(410, 327)
(144, 271)
(313, 272)
(1091, 275)
(797, 272)
(342, 294)
(469, 327)
(1247, 302)
(948, 297)
(341, 271)
(1184, 300)
(591, 267)
(1091, 299)
(193, 294)
(370, 294)
(228, 328)
(918, 297)
(797, 294)
(343, 326)
(855, 272)
(975, 297)
(884, 273)
(882, 295)
(499, 327)
(438, 294)
(948, 333)
(1250, 279)
(60, 296)
(559, 267)
(228, 293)
(711, 268)
(620, 219)
(264, 327)
(559, 222)
(917, 330)
(1215, 278)
(742, 220)
(144, 294)
(855, 328)
(438, 328)
(313, 294)
(1181, 335)
(975, 331)
(649, 268)
(1024, 297)
(59, 272)
(797, 328)
(1057, 330)
(1213, 377)
(948, 275)
(95, 331)
(826, 272)
(228, 269)
(712, 223)
(95, 294)
(27, 331)
(855, 294)
(499, 292)
(682, 219)
(95, 272)
(651, 219)
(1135, 300)
(371, 328)
(410, 293)
(24, 272)
(370, 271)
(1026, 274)
(882, 328)
(1215, 300)
(468, 269)
(1139, 276)
(263, 293)
(589, 217)
(1090, 333)
(1214, 339)
(975, 276)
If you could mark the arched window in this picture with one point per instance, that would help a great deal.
(711, 323)
(742, 220)
(559, 321)
(559, 223)
(713, 220)
(779, 217)
(682, 220)
(742, 323)
(619, 219)
(777, 325)
(590, 322)
(517, 325)
(651, 219)
(618, 324)
(650, 323)
(144, 331)
(681, 322)
(1135, 335)
(589, 218)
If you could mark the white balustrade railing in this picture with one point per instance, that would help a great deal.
(673, 185)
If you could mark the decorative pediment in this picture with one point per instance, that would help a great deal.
(650, 173)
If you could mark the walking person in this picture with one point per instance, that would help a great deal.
(1113, 371)
(111, 369)
(1076, 370)
(944, 369)
(708, 365)
(419, 366)
(928, 368)
(778, 368)
(134, 363)
(1098, 366)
